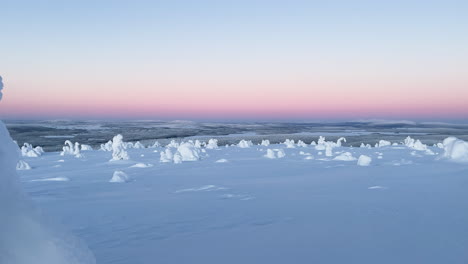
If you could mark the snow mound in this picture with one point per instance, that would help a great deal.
(301, 144)
(120, 177)
(142, 165)
(364, 160)
(23, 165)
(222, 161)
(188, 152)
(455, 149)
(346, 156)
(138, 145)
(118, 149)
(55, 179)
(289, 143)
(172, 144)
(245, 144)
(383, 143)
(212, 144)
(275, 153)
(265, 143)
(86, 147)
(166, 156)
(28, 151)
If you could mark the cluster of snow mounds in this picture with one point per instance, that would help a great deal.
(118, 149)
(109, 146)
(368, 146)
(289, 143)
(186, 151)
(456, 149)
(24, 238)
(138, 145)
(275, 153)
(212, 144)
(245, 144)
(328, 145)
(346, 156)
(120, 177)
(364, 160)
(23, 165)
(265, 143)
(71, 149)
(28, 151)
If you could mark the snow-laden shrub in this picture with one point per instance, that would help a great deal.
(177, 158)
(23, 165)
(313, 143)
(340, 141)
(156, 145)
(28, 151)
(364, 160)
(289, 143)
(275, 153)
(120, 177)
(172, 144)
(212, 144)
(346, 156)
(107, 146)
(368, 146)
(383, 143)
(301, 144)
(86, 147)
(138, 145)
(265, 143)
(455, 149)
(417, 145)
(245, 144)
(71, 149)
(188, 152)
(198, 143)
(118, 149)
(166, 155)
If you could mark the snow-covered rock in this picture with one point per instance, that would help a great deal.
(120, 177)
(23, 165)
(455, 149)
(364, 160)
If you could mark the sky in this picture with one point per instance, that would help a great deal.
(223, 60)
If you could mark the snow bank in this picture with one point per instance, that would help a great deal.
(455, 149)
(24, 238)
(364, 160)
(120, 177)
(346, 156)
(23, 165)
(245, 144)
(118, 149)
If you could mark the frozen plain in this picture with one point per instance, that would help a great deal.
(236, 205)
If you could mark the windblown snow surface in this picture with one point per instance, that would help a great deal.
(192, 202)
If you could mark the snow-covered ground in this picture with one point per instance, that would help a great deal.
(245, 203)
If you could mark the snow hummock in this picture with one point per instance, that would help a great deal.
(86, 147)
(364, 160)
(119, 177)
(245, 144)
(222, 161)
(383, 143)
(23, 165)
(346, 156)
(28, 151)
(455, 149)
(265, 143)
(275, 153)
(212, 144)
(188, 152)
(166, 155)
(142, 165)
(118, 149)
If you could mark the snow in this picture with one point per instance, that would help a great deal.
(364, 160)
(142, 165)
(71, 149)
(25, 237)
(23, 165)
(289, 143)
(265, 143)
(222, 161)
(188, 152)
(383, 143)
(28, 151)
(346, 156)
(275, 153)
(119, 177)
(212, 144)
(118, 149)
(86, 147)
(245, 144)
(455, 149)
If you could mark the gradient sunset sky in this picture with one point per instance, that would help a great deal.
(261, 60)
